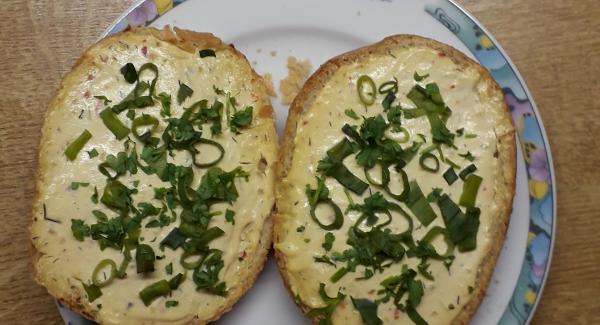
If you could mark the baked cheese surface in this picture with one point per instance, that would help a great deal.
(63, 263)
(299, 240)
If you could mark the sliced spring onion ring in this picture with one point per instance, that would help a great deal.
(112, 122)
(433, 233)
(367, 91)
(190, 265)
(385, 175)
(184, 191)
(470, 188)
(405, 186)
(215, 144)
(431, 157)
(152, 67)
(391, 134)
(362, 218)
(144, 120)
(99, 268)
(338, 216)
(389, 86)
(75, 147)
(104, 170)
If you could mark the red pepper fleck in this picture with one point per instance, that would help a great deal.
(396, 314)
(145, 51)
(243, 254)
(90, 77)
(304, 122)
(452, 86)
(372, 291)
(441, 54)
(87, 94)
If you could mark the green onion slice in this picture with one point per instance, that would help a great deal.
(385, 176)
(112, 122)
(144, 258)
(417, 203)
(93, 291)
(338, 274)
(121, 271)
(153, 68)
(345, 177)
(450, 176)
(99, 268)
(389, 86)
(190, 265)
(428, 156)
(367, 91)
(75, 147)
(155, 290)
(338, 216)
(215, 161)
(434, 233)
(467, 171)
(470, 188)
(405, 186)
(144, 120)
(341, 150)
(400, 135)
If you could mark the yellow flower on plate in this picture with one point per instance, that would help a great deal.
(162, 6)
(530, 237)
(537, 189)
(485, 42)
(530, 296)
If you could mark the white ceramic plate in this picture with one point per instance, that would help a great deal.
(268, 31)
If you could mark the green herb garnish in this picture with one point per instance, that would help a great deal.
(75, 147)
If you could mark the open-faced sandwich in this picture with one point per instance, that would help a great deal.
(397, 174)
(156, 180)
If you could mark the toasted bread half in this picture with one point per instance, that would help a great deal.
(181, 159)
(371, 266)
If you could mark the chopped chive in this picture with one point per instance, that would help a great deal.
(75, 147)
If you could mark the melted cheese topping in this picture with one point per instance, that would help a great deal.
(319, 129)
(64, 262)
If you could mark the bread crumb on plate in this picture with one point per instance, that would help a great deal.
(298, 71)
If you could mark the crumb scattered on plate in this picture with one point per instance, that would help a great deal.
(273, 53)
(268, 79)
(298, 71)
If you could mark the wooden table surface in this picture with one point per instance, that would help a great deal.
(555, 44)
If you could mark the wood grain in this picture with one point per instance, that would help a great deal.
(555, 44)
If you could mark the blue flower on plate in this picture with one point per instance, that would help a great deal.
(144, 13)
